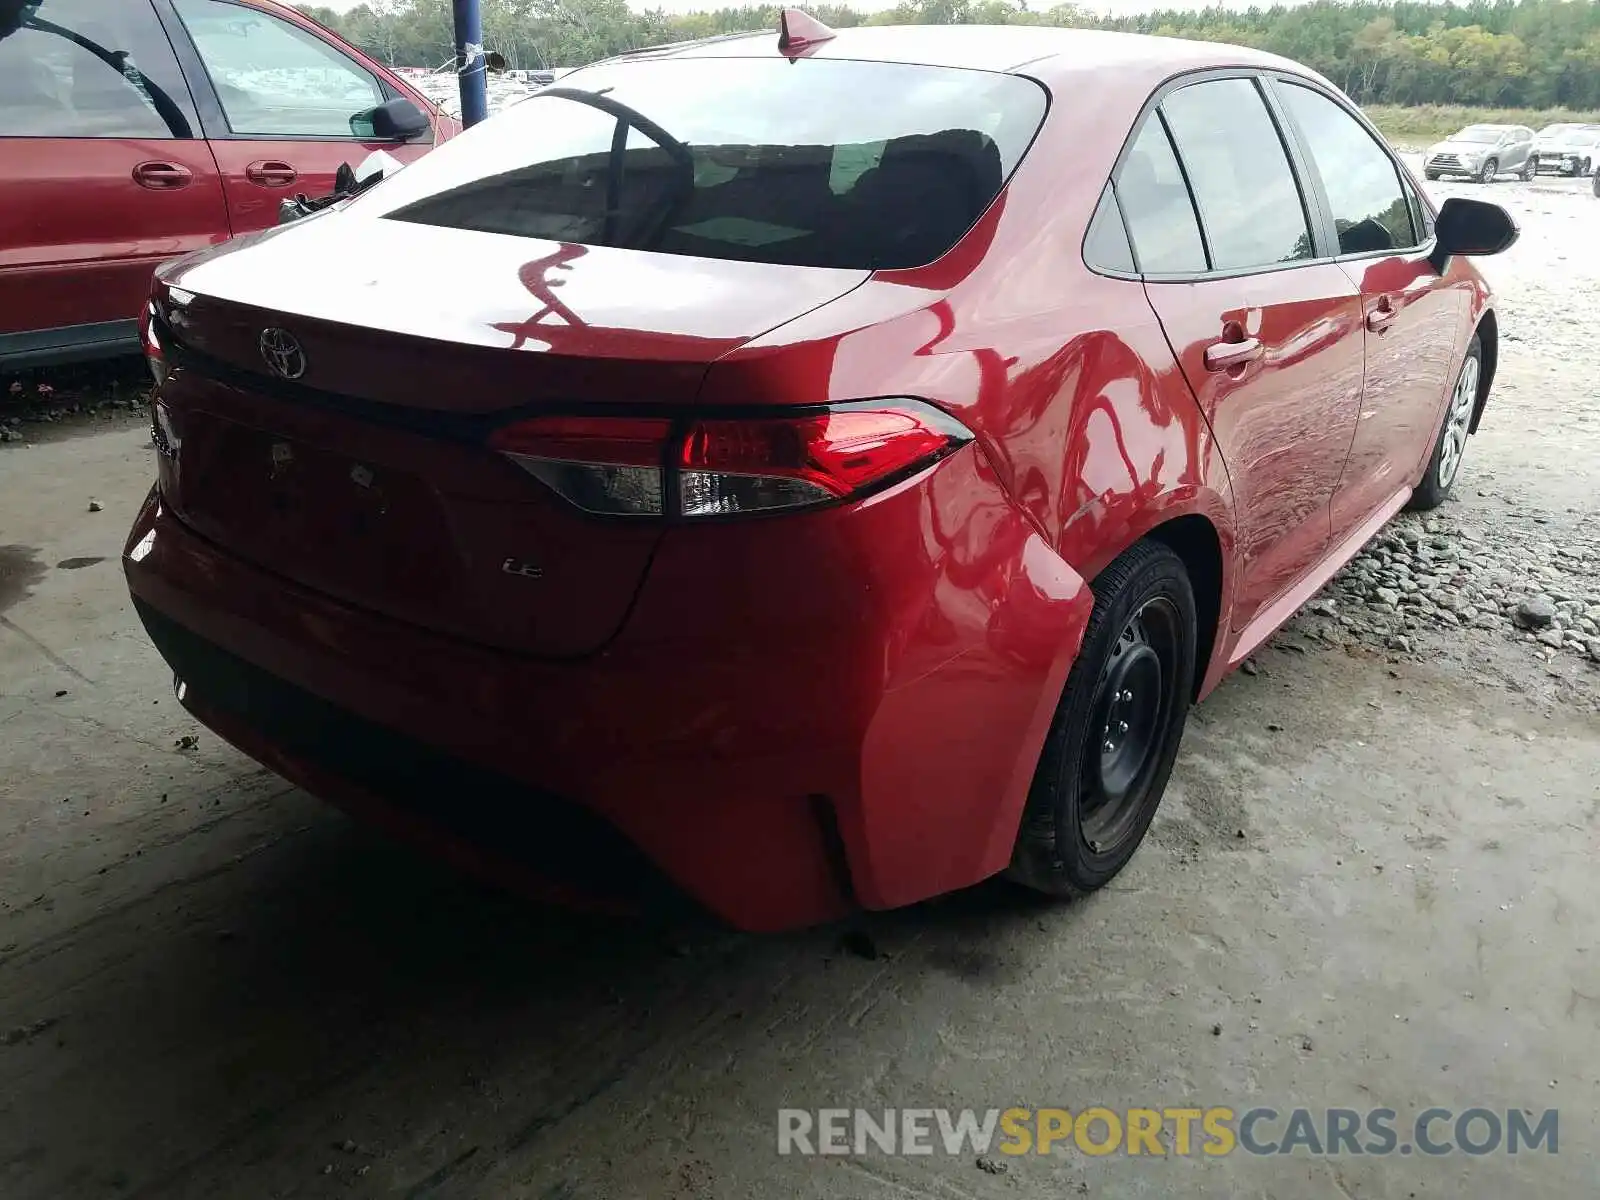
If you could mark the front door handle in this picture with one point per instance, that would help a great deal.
(162, 176)
(1222, 355)
(269, 172)
(1382, 315)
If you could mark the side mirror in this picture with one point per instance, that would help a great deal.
(394, 120)
(1471, 227)
(495, 61)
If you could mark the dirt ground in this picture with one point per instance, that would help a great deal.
(1372, 884)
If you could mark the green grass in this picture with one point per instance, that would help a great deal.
(1424, 123)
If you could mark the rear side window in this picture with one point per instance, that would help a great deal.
(815, 162)
(1106, 245)
(89, 69)
(1250, 206)
(1156, 206)
(274, 78)
(1370, 210)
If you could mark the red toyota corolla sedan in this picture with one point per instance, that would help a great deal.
(803, 472)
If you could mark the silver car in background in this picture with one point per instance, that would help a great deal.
(1483, 151)
(1568, 149)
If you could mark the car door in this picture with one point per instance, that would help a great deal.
(1515, 149)
(1267, 338)
(1413, 318)
(103, 174)
(283, 106)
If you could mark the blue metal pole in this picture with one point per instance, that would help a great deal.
(470, 62)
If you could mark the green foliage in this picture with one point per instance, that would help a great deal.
(1541, 54)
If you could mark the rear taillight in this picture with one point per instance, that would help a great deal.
(154, 355)
(601, 464)
(650, 467)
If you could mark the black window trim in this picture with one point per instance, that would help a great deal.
(214, 121)
(1325, 243)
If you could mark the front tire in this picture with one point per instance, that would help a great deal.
(1529, 170)
(1490, 169)
(1433, 176)
(1444, 465)
(1115, 736)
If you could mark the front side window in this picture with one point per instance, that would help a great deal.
(89, 69)
(1370, 211)
(1250, 206)
(273, 78)
(1156, 206)
(815, 162)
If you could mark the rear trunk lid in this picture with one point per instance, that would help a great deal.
(346, 451)
(460, 321)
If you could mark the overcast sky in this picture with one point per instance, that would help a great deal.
(1120, 7)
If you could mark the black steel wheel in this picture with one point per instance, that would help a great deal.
(1117, 729)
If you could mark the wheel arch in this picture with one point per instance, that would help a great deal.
(1194, 539)
(1488, 332)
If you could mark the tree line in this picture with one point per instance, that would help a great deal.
(1532, 53)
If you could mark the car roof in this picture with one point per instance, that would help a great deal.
(1044, 52)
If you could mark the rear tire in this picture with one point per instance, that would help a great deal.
(1490, 169)
(1529, 170)
(1444, 464)
(1111, 747)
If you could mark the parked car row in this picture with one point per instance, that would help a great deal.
(135, 131)
(1483, 152)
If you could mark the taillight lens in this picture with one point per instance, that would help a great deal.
(154, 355)
(623, 466)
(603, 465)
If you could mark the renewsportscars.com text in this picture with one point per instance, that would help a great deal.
(1167, 1131)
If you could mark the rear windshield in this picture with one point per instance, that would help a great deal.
(817, 162)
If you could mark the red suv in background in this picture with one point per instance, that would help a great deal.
(137, 130)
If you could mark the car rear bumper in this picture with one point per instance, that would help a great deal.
(780, 764)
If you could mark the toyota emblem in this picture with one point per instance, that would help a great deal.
(280, 350)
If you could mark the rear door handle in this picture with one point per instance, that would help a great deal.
(162, 176)
(1222, 355)
(269, 172)
(1382, 315)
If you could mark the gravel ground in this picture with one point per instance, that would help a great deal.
(1514, 556)
(1371, 884)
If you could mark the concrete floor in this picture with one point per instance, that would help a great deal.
(1372, 884)
(212, 984)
